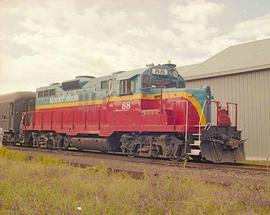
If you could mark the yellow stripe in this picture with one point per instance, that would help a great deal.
(167, 95)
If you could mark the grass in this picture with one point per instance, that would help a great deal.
(49, 186)
(45, 159)
(13, 155)
(257, 162)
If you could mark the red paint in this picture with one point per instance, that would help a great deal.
(143, 116)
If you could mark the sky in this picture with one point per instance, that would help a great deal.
(47, 41)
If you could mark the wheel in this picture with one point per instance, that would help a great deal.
(180, 153)
(66, 143)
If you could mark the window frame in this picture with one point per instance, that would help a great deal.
(50, 92)
(126, 86)
(40, 94)
(104, 85)
(46, 93)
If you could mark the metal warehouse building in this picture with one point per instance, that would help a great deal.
(240, 74)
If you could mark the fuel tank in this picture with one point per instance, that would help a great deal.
(96, 143)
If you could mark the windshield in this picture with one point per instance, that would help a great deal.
(163, 77)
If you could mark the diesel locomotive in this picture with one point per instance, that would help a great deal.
(145, 112)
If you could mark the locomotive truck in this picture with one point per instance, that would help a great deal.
(146, 112)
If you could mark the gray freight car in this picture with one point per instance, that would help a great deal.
(12, 107)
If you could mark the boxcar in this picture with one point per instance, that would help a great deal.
(12, 107)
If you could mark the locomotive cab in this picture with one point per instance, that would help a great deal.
(163, 87)
(212, 134)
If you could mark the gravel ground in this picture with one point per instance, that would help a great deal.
(136, 167)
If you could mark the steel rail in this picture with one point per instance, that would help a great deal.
(236, 167)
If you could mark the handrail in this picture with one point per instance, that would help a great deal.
(156, 87)
(186, 121)
(228, 104)
(202, 112)
(236, 114)
(186, 128)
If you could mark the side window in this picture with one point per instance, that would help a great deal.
(46, 93)
(146, 81)
(126, 87)
(52, 92)
(40, 94)
(104, 85)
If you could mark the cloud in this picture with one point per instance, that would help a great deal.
(244, 31)
(51, 41)
(194, 16)
(248, 30)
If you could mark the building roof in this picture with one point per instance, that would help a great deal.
(184, 71)
(240, 58)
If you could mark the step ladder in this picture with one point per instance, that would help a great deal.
(196, 145)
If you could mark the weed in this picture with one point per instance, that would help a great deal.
(101, 169)
(45, 159)
(257, 162)
(10, 154)
(37, 188)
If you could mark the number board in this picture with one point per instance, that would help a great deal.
(159, 71)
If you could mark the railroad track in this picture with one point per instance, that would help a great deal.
(237, 167)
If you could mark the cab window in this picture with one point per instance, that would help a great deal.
(126, 87)
(146, 81)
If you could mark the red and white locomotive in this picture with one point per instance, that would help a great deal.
(145, 112)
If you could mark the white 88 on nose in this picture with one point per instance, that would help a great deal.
(126, 105)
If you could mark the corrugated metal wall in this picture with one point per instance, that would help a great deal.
(252, 93)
